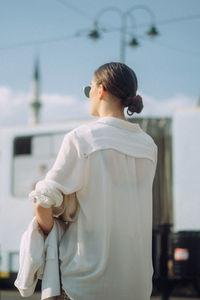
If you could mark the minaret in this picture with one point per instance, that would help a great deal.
(35, 103)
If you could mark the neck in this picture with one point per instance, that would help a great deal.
(114, 115)
(115, 112)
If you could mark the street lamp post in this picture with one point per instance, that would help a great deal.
(152, 32)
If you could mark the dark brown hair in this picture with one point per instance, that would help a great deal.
(120, 80)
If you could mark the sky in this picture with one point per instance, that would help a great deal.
(56, 32)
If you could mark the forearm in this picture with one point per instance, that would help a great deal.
(44, 218)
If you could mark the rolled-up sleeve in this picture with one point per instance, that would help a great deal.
(65, 177)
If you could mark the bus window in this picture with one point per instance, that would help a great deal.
(22, 145)
(33, 157)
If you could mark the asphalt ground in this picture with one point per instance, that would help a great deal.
(14, 295)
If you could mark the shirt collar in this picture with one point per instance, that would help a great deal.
(116, 122)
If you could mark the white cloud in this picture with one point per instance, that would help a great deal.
(166, 107)
(14, 106)
(60, 108)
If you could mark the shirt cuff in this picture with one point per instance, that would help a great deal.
(46, 195)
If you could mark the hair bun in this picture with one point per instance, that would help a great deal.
(135, 104)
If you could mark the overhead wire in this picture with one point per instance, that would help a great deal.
(184, 51)
(178, 19)
(38, 42)
(163, 22)
(76, 9)
(50, 40)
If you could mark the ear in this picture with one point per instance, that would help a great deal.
(101, 91)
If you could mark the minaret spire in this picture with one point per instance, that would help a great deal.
(35, 103)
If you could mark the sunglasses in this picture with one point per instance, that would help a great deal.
(86, 90)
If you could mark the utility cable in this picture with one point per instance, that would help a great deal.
(179, 19)
(163, 22)
(38, 42)
(78, 10)
(191, 53)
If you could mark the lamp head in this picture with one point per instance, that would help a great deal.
(153, 32)
(133, 43)
(94, 34)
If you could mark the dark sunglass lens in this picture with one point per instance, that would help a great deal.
(87, 91)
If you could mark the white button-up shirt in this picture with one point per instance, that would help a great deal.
(106, 254)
